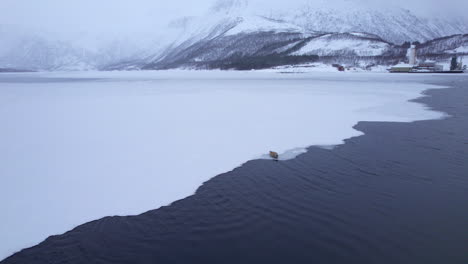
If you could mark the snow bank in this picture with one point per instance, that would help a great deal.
(80, 146)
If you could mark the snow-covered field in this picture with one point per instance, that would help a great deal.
(79, 146)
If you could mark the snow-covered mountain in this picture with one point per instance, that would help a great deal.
(235, 30)
(392, 23)
(239, 34)
(448, 45)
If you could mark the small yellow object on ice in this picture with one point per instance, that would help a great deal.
(274, 155)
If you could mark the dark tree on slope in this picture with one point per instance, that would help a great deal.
(240, 62)
(454, 64)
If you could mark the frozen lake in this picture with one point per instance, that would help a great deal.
(76, 147)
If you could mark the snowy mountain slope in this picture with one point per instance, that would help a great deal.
(443, 49)
(253, 24)
(268, 48)
(225, 47)
(226, 33)
(285, 47)
(463, 49)
(240, 29)
(344, 44)
(450, 44)
(394, 24)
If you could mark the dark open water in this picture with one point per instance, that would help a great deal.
(398, 194)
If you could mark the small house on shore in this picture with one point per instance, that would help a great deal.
(428, 67)
(401, 68)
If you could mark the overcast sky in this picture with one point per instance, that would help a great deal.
(130, 17)
(95, 14)
(93, 24)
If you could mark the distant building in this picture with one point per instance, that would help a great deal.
(413, 65)
(428, 67)
(401, 68)
(412, 55)
(421, 67)
(460, 65)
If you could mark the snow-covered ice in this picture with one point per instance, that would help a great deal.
(79, 146)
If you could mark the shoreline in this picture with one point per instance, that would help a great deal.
(273, 175)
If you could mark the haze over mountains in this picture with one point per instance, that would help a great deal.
(238, 34)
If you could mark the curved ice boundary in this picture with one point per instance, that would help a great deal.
(80, 146)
